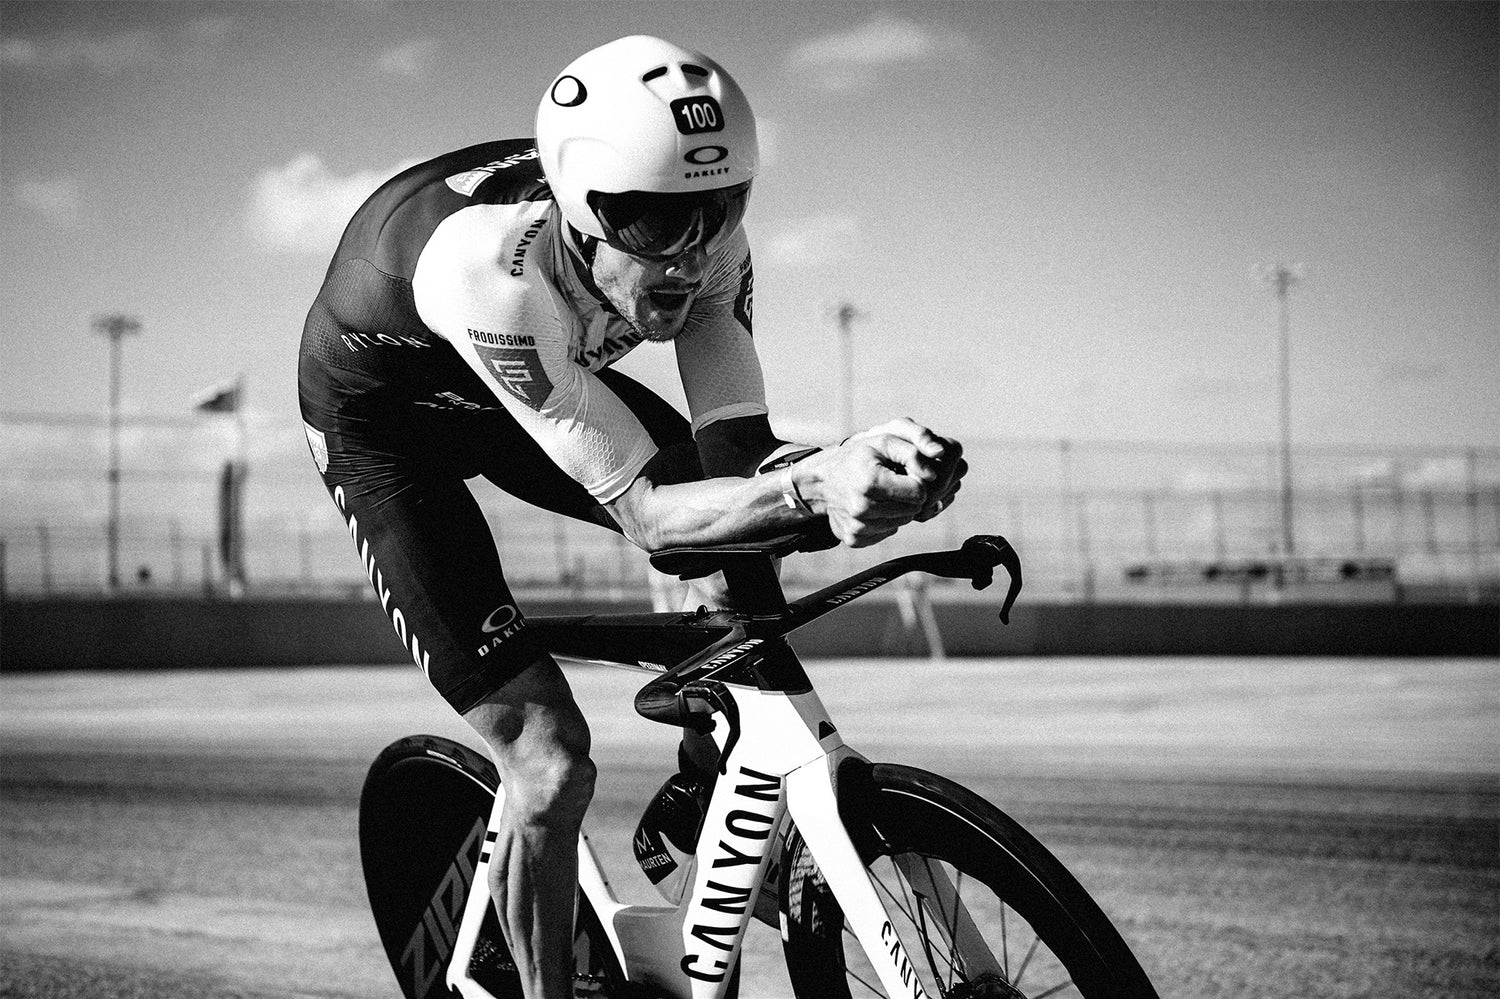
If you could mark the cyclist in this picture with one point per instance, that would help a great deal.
(466, 326)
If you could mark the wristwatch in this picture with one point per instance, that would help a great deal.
(783, 463)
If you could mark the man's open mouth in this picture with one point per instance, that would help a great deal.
(668, 301)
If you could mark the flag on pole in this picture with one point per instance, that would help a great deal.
(221, 398)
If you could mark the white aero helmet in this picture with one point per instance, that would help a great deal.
(648, 146)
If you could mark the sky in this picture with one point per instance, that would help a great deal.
(1051, 217)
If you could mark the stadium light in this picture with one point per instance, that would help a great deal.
(1282, 278)
(116, 328)
(845, 315)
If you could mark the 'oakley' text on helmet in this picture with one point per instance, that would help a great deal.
(642, 114)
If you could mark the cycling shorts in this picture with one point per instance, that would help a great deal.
(396, 471)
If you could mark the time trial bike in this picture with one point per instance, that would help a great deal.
(884, 879)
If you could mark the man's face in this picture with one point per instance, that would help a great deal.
(654, 296)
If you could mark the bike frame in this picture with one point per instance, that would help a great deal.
(780, 755)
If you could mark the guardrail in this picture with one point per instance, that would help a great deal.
(1096, 520)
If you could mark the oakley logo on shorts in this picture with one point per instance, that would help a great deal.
(502, 622)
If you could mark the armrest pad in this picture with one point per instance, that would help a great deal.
(692, 563)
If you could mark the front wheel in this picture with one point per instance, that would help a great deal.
(982, 909)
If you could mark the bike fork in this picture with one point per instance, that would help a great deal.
(813, 804)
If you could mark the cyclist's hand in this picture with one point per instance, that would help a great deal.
(951, 470)
(935, 461)
(872, 485)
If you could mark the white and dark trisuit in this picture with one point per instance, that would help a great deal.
(456, 334)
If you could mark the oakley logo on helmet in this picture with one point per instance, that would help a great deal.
(704, 155)
(568, 92)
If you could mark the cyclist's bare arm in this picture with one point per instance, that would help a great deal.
(869, 487)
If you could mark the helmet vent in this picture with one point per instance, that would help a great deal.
(653, 74)
(689, 69)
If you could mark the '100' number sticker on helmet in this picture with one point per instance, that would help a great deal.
(694, 115)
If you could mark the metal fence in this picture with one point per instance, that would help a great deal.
(1093, 520)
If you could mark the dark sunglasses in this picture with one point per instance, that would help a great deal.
(662, 226)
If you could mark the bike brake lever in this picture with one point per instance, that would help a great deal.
(991, 550)
(716, 697)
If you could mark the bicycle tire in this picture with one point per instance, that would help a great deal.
(423, 814)
(909, 825)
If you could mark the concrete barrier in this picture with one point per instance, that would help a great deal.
(163, 632)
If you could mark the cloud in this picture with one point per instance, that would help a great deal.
(812, 240)
(110, 55)
(411, 59)
(849, 60)
(302, 207)
(58, 199)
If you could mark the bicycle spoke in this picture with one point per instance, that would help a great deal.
(904, 885)
(873, 989)
(1054, 990)
(951, 927)
(1021, 971)
(958, 900)
(1004, 946)
(920, 924)
(903, 907)
(914, 910)
(896, 871)
(927, 948)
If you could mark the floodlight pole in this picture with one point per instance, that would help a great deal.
(846, 314)
(116, 328)
(1282, 278)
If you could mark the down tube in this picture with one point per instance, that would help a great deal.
(814, 807)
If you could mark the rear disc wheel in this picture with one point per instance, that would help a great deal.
(423, 815)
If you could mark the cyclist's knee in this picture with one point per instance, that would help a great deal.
(540, 742)
(553, 791)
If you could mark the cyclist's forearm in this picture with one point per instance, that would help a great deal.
(707, 512)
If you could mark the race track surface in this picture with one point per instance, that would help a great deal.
(1324, 828)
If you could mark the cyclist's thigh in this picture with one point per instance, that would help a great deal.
(427, 550)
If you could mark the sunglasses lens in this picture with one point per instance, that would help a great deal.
(664, 225)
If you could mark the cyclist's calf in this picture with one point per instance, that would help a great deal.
(540, 743)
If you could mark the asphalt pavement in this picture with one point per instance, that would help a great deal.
(1276, 827)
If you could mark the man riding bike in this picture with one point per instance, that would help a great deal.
(467, 325)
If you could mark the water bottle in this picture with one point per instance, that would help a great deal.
(666, 839)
